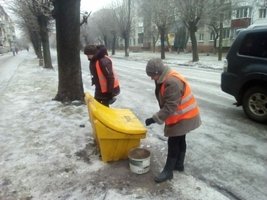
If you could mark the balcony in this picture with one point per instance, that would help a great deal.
(240, 23)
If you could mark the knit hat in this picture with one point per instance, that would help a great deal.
(90, 49)
(154, 67)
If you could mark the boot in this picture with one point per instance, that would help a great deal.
(166, 174)
(179, 166)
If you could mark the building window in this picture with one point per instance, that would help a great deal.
(140, 38)
(140, 29)
(201, 37)
(212, 36)
(226, 33)
(262, 13)
(228, 14)
(237, 14)
(243, 12)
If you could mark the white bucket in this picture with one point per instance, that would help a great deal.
(139, 160)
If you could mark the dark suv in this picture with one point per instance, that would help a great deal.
(245, 72)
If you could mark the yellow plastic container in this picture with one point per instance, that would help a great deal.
(116, 131)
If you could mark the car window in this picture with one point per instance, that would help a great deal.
(254, 44)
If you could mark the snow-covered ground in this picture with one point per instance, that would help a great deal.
(47, 150)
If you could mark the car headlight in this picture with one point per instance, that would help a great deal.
(225, 65)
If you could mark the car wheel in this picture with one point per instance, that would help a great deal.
(255, 104)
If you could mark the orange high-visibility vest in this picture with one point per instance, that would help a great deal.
(187, 108)
(102, 79)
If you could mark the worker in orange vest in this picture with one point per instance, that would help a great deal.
(178, 110)
(103, 76)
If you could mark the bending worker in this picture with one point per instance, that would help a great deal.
(103, 76)
(178, 110)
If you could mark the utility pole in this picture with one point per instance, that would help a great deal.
(128, 28)
(220, 30)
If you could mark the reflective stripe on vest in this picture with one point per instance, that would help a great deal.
(102, 79)
(187, 108)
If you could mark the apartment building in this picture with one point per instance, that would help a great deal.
(7, 32)
(247, 13)
(136, 40)
(243, 13)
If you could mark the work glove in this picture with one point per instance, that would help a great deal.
(92, 81)
(149, 121)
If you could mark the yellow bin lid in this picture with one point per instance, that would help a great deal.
(121, 120)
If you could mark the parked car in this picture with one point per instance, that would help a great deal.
(245, 72)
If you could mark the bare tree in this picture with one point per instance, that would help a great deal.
(41, 9)
(155, 37)
(191, 12)
(124, 20)
(88, 32)
(106, 24)
(181, 36)
(36, 16)
(219, 12)
(162, 17)
(67, 16)
(101, 28)
(28, 23)
(151, 34)
(85, 17)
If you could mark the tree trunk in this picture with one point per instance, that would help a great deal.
(113, 44)
(162, 46)
(214, 45)
(154, 44)
(67, 15)
(126, 46)
(220, 37)
(36, 43)
(194, 45)
(105, 40)
(128, 30)
(43, 23)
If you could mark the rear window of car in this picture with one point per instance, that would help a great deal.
(254, 44)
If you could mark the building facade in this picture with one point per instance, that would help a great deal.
(7, 32)
(243, 13)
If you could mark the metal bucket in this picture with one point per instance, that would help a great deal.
(139, 160)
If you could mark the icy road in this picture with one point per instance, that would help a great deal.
(46, 154)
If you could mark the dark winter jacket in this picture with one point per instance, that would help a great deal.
(106, 67)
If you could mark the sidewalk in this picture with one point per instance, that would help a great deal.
(47, 150)
(185, 59)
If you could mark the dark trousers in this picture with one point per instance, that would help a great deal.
(176, 145)
(105, 102)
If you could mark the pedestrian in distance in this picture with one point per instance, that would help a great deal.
(178, 110)
(102, 74)
(17, 50)
(13, 50)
